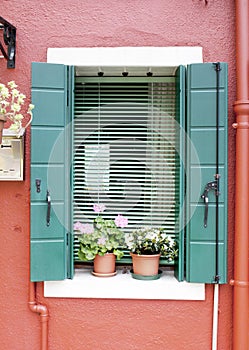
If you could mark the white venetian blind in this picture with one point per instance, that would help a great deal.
(124, 150)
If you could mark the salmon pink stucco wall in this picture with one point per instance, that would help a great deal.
(108, 324)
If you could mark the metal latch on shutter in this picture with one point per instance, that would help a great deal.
(210, 186)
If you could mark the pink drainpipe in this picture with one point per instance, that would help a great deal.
(241, 244)
(42, 310)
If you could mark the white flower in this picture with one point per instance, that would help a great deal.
(15, 93)
(12, 84)
(4, 92)
(15, 107)
(5, 103)
(21, 99)
(151, 240)
(14, 127)
(11, 101)
(18, 117)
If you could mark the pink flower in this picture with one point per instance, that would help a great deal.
(99, 208)
(87, 228)
(77, 226)
(101, 241)
(83, 228)
(121, 221)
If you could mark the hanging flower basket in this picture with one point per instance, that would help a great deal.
(3, 119)
(11, 102)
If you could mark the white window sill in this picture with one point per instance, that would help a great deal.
(123, 286)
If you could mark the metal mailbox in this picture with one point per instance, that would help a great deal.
(11, 156)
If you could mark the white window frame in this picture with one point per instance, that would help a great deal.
(123, 286)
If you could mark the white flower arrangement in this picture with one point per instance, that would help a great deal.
(11, 102)
(151, 240)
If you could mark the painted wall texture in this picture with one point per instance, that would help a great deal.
(108, 324)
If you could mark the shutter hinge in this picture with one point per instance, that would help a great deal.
(217, 278)
(217, 66)
(67, 96)
(68, 259)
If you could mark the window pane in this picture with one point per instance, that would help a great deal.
(124, 152)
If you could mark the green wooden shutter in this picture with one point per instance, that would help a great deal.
(201, 167)
(50, 164)
(180, 176)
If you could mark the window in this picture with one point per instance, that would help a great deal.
(125, 150)
(51, 159)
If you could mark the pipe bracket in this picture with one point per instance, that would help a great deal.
(241, 125)
(242, 284)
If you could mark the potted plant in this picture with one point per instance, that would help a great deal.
(11, 102)
(146, 245)
(101, 241)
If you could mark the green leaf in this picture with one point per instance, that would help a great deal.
(118, 253)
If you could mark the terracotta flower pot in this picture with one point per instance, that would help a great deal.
(145, 265)
(104, 266)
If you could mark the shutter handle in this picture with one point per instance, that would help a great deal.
(209, 186)
(205, 197)
(48, 208)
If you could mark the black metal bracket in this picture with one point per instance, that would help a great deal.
(38, 185)
(9, 37)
